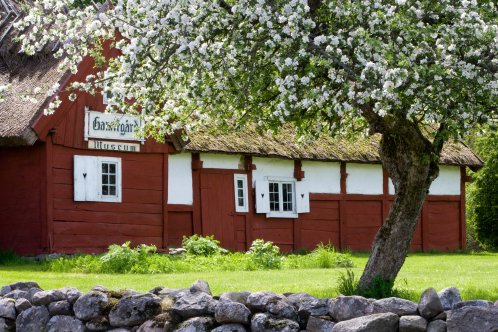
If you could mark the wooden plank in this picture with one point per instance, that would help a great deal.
(196, 190)
(109, 217)
(70, 204)
(100, 241)
(179, 208)
(463, 223)
(165, 202)
(97, 228)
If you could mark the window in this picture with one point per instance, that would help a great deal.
(281, 197)
(97, 179)
(240, 186)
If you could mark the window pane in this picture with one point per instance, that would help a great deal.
(240, 184)
(240, 202)
(287, 196)
(105, 179)
(274, 197)
(112, 168)
(105, 190)
(112, 191)
(112, 179)
(240, 193)
(105, 168)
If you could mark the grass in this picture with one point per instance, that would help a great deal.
(473, 274)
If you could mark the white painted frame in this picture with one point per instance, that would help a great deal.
(108, 198)
(243, 178)
(283, 214)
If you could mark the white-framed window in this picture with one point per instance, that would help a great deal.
(281, 197)
(97, 179)
(240, 187)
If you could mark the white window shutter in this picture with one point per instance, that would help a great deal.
(86, 179)
(302, 197)
(262, 196)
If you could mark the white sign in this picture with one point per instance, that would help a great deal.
(113, 146)
(112, 125)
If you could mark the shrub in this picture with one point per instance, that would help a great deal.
(122, 258)
(324, 256)
(265, 255)
(198, 245)
(348, 284)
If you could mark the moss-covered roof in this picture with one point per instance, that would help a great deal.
(283, 145)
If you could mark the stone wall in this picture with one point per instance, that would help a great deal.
(24, 306)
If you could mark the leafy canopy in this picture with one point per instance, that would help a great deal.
(324, 66)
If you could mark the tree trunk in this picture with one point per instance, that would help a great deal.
(408, 157)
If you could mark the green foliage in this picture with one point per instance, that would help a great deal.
(325, 257)
(265, 255)
(482, 203)
(10, 258)
(348, 284)
(198, 245)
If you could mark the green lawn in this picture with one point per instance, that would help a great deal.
(476, 275)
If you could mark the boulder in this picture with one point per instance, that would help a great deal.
(99, 288)
(230, 328)
(200, 286)
(170, 293)
(472, 318)
(196, 324)
(240, 297)
(258, 301)
(150, 326)
(263, 322)
(90, 305)
(400, 307)
(231, 312)
(282, 309)
(8, 308)
(473, 303)
(311, 306)
(24, 286)
(33, 319)
(193, 305)
(348, 307)
(441, 316)
(59, 308)
(100, 323)
(16, 294)
(298, 299)
(384, 322)
(412, 323)
(65, 324)
(31, 293)
(7, 325)
(449, 297)
(436, 326)
(317, 324)
(47, 297)
(21, 305)
(135, 310)
(71, 293)
(429, 305)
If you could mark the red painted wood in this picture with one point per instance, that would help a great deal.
(179, 207)
(165, 213)
(463, 223)
(180, 224)
(442, 228)
(361, 221)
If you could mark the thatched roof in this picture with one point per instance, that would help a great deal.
(23, 74)
(283, 145)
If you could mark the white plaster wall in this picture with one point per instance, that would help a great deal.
(221, 161)
(180, 179)
(447, 183)
(364, 179)
(322, 177)
(272, 167)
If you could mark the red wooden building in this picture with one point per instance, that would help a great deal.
(80, 180)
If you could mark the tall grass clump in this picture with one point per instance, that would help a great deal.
(324, 256)
(348, 284)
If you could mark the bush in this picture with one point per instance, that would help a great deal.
(348, 284)
(483, 194)
(325, 257)
(198, 245)
(265, 255)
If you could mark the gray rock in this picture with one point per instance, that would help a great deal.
(21, 305)
(384, 322)
(32, 292)
(135, 310)
(33, 319)
(473, 303)
(412, 323)
(240, 297)
(449, 297)
(282, 309)
(100, 323)
(196, 324)
(90, 305)
(496, 303)
(171, 293)
(7, 325)
(16, 294)
(436, 326)
(400, 307)
(194, 304)
(441, 316)
(99, 288)
(71, 293)
(200, 286)
(266, 323)
(119, 329)
(310, 306)
(348, 307)
(231, 312)
(25, 286)
(8, 308)
(230, 328)
(130, 292)
(429, 305)
(316, 324)
(59, 308)
(150, 326)
(65, 324)
(47, 297)
(258, 301)
(298, 299)
(471, 318)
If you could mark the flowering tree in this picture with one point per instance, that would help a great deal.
(417, 72)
